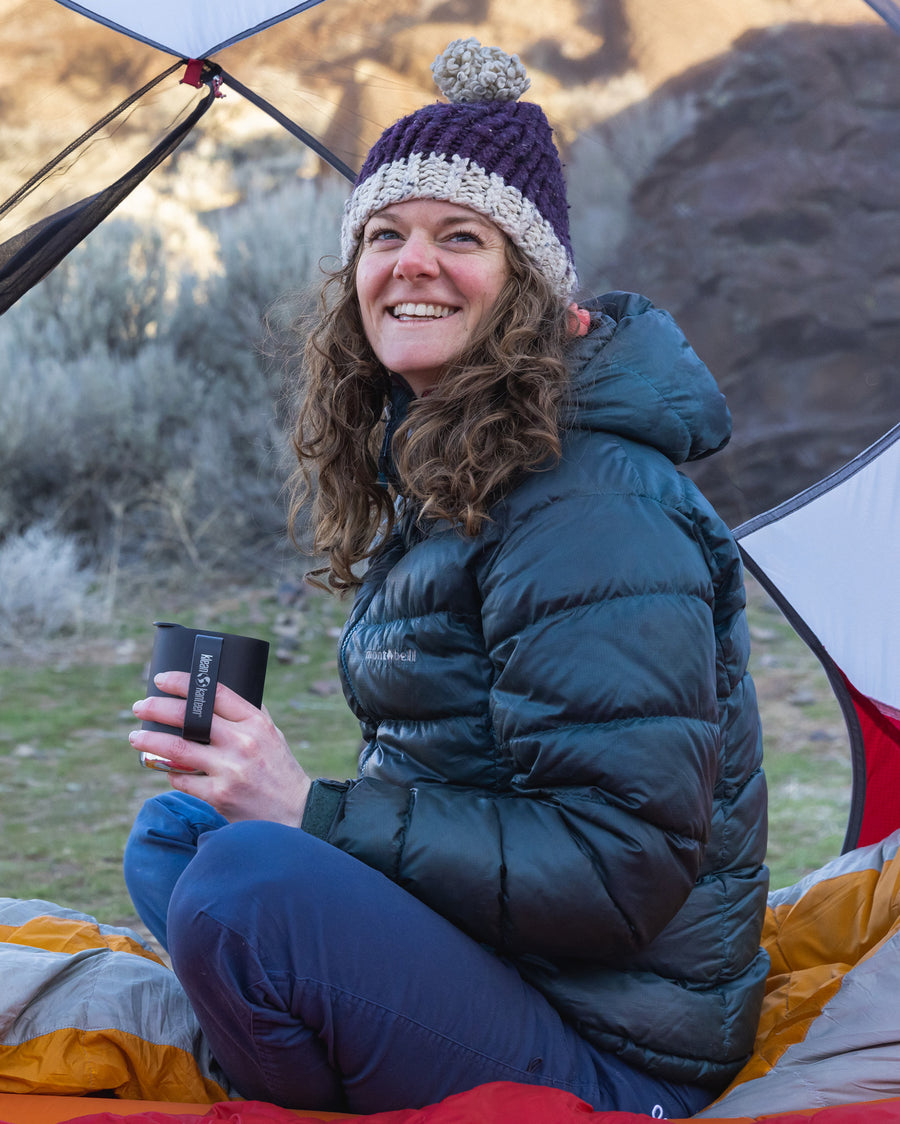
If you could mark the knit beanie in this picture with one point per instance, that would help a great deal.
(483, 149)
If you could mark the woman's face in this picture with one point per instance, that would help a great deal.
(428, 272)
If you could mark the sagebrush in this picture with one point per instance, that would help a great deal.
(141, 393)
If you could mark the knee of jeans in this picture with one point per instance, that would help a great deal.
(254, 861)
(175, 817)
(236, 870)
(236, 861)
(161, 814)
(152, 811)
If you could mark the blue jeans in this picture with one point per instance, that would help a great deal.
(319, 983)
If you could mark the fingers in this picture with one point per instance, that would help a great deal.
(181, 754)
(168, 710)
(165, 711)
(161, 709)
(229, 704)
(246, 772)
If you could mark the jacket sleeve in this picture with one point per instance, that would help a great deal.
(598, 621)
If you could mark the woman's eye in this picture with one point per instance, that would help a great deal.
(465, 236)
(383, 235)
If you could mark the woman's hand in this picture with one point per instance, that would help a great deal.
(251, 773)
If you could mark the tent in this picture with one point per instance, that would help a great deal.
(828, 557)
(889, 10)
(191, 32)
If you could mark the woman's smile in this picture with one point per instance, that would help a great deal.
(428, 273)
(421, 312)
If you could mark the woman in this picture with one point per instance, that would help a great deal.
(549, 867)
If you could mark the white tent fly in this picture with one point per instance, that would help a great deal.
(192, 30)
(195, 29)
(829, 559)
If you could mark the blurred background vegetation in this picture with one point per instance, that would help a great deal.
(142, 405)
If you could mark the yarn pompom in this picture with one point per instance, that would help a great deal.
(468, 72)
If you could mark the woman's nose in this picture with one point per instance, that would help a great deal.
(417, 258)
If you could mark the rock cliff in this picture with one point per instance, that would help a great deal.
(771, 230)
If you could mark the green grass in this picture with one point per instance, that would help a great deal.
(806, 748)
(70, 784)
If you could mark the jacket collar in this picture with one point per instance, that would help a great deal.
(400, 395)
(635, 374)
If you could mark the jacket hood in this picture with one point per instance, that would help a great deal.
(634, 374)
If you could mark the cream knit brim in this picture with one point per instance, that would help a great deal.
(460, 180)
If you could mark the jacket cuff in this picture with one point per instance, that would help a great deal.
(323, 805)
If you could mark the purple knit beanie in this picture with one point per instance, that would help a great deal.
(484, 150)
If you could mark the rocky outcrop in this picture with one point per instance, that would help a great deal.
(771, 229)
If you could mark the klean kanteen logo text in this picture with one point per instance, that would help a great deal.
(201, 682)
(204, 676)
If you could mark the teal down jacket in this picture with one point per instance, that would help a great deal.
(562, 743)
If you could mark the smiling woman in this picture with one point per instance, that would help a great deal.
(427, 274)
(548, 868)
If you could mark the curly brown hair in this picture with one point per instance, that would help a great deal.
(494, 415)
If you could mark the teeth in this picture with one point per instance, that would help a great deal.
(430, 311)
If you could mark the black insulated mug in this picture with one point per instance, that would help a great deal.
(211, 657)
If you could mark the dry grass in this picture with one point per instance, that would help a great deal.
(807, 755)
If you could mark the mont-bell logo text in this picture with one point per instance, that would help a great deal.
(201, 683)
(390, 655)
